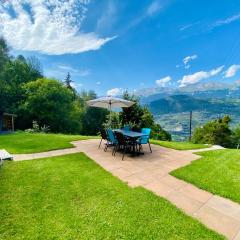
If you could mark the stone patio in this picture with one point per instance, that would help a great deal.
(151, 171)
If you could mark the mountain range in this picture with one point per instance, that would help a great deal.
(171, 107)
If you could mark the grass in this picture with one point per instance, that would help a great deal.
(217, 172)
(71, 197)
(21, 142)
(180, 145)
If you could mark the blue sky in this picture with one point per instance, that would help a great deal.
(112, 45)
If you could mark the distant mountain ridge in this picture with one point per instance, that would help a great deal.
(171, 107)
(201, 91)
(178, 103)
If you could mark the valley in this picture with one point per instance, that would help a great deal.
(172, 110)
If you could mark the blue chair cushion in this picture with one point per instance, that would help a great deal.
(126, 128)
(111, 137)
(145, 139)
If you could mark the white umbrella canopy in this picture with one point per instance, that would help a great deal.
(110, 103)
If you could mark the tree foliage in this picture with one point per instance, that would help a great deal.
(214, 132)
(68, 81)
(48, 102)
(140, 117)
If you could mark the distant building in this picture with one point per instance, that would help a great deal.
(7, 122)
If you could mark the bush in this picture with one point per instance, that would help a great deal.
(214, 132)
(160, 134)
(37, 129)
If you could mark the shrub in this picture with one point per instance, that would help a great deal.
(158, 133)
(214, 132)
(37, 129)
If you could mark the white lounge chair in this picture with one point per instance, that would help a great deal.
(4, 155)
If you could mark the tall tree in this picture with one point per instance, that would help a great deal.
(133, 114)
(4, 58)
(4, 53)
(15, 73)
(68, 81)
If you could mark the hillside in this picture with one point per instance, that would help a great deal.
(172, 112)
(179, 103)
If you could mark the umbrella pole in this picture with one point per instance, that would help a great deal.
(110, 117)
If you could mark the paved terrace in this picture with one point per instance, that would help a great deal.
(151, 171)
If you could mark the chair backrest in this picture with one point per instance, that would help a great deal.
(111, 136)
(126, 128)
(145, 139)
(146, 131)
(120, 138)
(136, 129)
(103, 134)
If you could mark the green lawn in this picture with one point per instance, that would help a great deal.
(71, 197)
(21, 142)
(217, 172)
(179, 145)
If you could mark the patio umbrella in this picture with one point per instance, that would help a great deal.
(110, 103)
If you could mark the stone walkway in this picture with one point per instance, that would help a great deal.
(151, 171)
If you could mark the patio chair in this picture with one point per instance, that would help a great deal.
(126, 128)
(103, 136)
(136, 129)
(145, 139)
(123, 143)
(111, 140)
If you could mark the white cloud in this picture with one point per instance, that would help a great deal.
(98, 83)
(76, 85)
(216, 71)
(227, 20)
(149, 12)
(163, 81)
(50, 26)
(153, 8)
(231, 71)
(108, 17)
(198, 76)
(115, 92)
(74, 71)
(188, 59)
(185, 27)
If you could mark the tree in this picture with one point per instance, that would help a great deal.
(49, 103)
(133, 114)
(214, 132)
(35, 68)
(159, 133)
(14, 74)
(4, 58)
(140, 117)
(4, 53)
(147, 118)
(68, 81)
(92, 118)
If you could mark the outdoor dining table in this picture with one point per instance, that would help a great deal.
(134, 136)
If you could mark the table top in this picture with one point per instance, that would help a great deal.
(131, 134)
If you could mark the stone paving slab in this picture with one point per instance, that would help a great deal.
(237, 237)
(151, 171)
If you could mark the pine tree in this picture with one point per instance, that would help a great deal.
(68, 81)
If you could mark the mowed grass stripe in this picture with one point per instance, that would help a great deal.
(71, 197)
